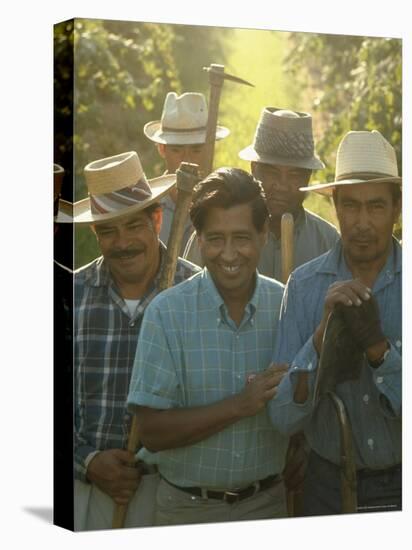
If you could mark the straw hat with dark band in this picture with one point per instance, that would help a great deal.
(183, 121)
(362, 157)
(118, 187)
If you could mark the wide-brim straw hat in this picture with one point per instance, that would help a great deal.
(284, 138)
(64, 208)
(183, 121)
(362, 157)
(118, 187)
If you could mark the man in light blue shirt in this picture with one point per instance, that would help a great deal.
(361, 276)
(201, 377)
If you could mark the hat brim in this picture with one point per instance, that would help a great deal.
(249, 153)
(154, 132)
(159, 186)
(65, 213)
(327, 188)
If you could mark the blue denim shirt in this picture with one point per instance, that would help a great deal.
(374, 401)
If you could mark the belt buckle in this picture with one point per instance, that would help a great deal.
(230, 497)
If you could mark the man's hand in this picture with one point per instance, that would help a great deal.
(348, 293)
(364, 323)
(261, 388)
(112, 472)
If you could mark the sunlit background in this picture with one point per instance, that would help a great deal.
(123, 71)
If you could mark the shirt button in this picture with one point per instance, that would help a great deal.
(379, 380)
(237, 455)
(132, 324)
(370, 442)
(366, 398)
(310, 366)
(237, 336)
(398, 344)
(252, 322)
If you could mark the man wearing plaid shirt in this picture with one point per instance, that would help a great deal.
(111, 294)
(202, 375)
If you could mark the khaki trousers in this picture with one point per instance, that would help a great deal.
(93, 509)
(176, 507)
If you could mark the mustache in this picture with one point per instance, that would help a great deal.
(120, 254)
(362, 236)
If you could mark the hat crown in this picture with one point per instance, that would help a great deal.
(113, 173)
(283, 137)
(363, 152)
(185, 112)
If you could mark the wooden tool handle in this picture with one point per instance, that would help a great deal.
(286, 242)
(216, 83)
(120, 510)
(186, 178)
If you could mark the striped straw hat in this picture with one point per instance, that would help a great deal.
(63, 210)
(117, 187)
(362, 157)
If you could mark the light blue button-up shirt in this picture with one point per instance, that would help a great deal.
(374, 401)
(191, 354)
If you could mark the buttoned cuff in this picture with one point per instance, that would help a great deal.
(305, 361)
(388, 381)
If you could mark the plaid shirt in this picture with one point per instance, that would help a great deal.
(105, 343)
(373, 402)
(193, 354)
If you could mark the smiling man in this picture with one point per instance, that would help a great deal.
(361, 278)
(202, 374)
(111, 294)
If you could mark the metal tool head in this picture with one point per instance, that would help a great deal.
(219, 71)
(340, 360)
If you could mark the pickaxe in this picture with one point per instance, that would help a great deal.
(186, 179)
(217, 76)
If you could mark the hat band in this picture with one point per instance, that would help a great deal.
(120, 199)
(364, 176)
(183, 130)
(283, 144)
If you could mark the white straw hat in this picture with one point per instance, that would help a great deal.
(117, 187)
(362, 157)
(183, 121)
(283, 137)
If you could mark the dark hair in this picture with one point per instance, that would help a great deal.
(395, 189)
(224, 188)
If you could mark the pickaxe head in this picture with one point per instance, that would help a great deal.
(217, 72)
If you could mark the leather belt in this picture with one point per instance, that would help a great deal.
(233, 495)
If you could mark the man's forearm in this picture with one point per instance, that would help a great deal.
(172, 428)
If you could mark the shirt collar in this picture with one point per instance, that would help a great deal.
(216, 297)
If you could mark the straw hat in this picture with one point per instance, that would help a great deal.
(283, 137)
(183, 122)
(362, 157)
(117, 187)
(63, 209)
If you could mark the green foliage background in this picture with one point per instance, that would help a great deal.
(123, 70)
